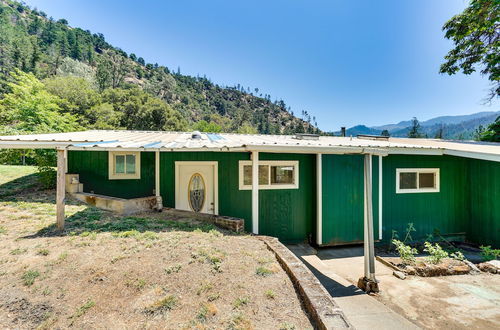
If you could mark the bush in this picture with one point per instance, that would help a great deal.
(406, 252)
(436, 252)
(488, 253)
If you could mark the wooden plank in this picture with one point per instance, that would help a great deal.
(60, 195)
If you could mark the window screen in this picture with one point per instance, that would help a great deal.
(407, 180)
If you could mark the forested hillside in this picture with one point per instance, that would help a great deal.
(54, 77)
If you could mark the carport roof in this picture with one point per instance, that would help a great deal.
(195, 141)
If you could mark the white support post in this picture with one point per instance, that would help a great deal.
(319, 199)
(369, 278)
(255, 192)
(380, 185)
(61, 189)
(159, 202)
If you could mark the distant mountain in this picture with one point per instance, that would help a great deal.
(453, 127)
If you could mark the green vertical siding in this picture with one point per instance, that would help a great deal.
(343, 198)
(92, 166)
(232, 201)
(484, 222)
(290, 213)
(445, 211)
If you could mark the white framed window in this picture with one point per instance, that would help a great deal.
(273, 174)
(124, 165)
(417, 180)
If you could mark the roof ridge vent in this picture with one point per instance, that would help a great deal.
(196, 135)
(306, 136)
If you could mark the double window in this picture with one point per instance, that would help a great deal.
(124, 165)
(273, 174)
(417, 180)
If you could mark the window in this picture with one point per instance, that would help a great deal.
(417, 180)
(124, 165)
(273, 174)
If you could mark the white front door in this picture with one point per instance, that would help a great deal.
(196, 187)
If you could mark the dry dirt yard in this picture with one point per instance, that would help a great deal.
(147, 271)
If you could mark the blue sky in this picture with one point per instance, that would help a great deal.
(346, 62)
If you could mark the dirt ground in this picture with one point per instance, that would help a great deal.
(445, 302)
(146, 271)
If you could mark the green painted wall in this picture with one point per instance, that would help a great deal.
(290, 214)
(343, 198)
(93, 169)
(446, 211)
(232, 201)
(484, 223)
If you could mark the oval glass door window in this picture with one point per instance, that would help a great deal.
(196, 192)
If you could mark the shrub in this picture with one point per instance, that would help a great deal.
(458, 256)
(488, 253)
(406, 252)
(436, 252)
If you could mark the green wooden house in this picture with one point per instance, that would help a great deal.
(297, 188)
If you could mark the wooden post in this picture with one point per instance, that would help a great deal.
(255, 192)
(61, 181)
(319, 199)
(159, 202)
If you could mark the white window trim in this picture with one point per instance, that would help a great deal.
(418, 171)
(294, 163)
(124, 176)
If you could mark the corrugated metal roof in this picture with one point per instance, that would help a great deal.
(183, 141)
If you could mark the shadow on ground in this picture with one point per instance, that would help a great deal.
(93, 220)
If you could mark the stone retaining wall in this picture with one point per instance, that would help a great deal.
(234, 224)
(323, 311)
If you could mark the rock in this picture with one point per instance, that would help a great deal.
(489, 267)
(399, 275)
(495, 263)
(473, 268)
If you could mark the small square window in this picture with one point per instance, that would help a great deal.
(273, 174)
(417, 180)
(263, 174)
(281, 174)
(124, 165)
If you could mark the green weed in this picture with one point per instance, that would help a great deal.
(29, 277)
(163, 305)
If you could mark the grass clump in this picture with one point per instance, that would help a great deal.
(173, 269)
(205, 287)
(263, 271)
(270, 294)
(18, 251)
(286, 326)
(162, 306)
(206, 310)
(80, 311)
(2, 230)
(29, 277)
(43, 252)
(239, 302)
(436, 253)
(406, 252)
(138, 283)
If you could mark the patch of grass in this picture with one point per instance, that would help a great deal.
(213, 297)
(138, 283)
(150, 235)
(214, 257)
(2, 230)
(80, 311)
(18, 251)
(286, 326)
(63, 256)
(43, 252)
(239, 302)
(173, 269)
(29, 277)
(90, 234)
(162, 306)
(239, 321)
(206, 310)
(270, 294)
(205, 287)
(263, 271)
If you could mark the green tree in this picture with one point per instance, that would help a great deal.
(385, 133)
(492, 132)
(476, 36)
(29, 108)
(414, 131)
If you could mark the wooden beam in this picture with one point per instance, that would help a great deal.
(159, 202)
(319, 199)
(368, 219)
(255, 192)
(60, 194)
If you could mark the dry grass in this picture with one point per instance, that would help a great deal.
(147, 271)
